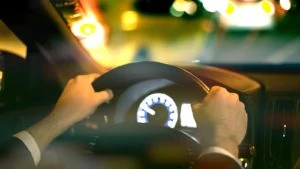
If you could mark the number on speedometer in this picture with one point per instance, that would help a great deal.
(158, 104)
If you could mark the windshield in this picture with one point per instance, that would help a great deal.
(186, 31)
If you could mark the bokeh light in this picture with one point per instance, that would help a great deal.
(129, 20)
(285, 4)
(190, 8)
(267, 7)
(230, 8)
(215, 5)
(90, 32)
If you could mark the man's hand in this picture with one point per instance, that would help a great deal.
(223, 120)
(77, 101)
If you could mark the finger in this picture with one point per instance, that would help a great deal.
(93, 76)
(217, 90)
(104, 96)
(235, 97)
(196, 106)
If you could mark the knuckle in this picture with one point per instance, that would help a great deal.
(70, 81)
(242, 105)
(235, 96)
(79, 77)
(218, 90)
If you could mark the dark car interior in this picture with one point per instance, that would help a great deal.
(113, 136)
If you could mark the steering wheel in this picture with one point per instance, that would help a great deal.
(119, 137)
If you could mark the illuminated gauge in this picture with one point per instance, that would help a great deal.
(158, 108)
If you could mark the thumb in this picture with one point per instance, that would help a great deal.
(104, 96)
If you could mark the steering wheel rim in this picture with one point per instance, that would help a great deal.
(140, 71)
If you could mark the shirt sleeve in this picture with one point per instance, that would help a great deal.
(217, 158)
(31, 145)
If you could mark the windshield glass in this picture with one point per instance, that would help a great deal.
(186, 31)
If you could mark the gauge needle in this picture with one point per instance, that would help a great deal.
(148, 110)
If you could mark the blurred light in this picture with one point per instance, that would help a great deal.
(179, 5)
(129, 20)
(88, 29)
(230, 8)
(1, 77)
(91, 125)
(196, 61)
(248, 16)
(207, 25)
(90, 32)
(244, 162)
(176, 13)
(191, 8)
(267, 7)
(285, 4)
(215, 5)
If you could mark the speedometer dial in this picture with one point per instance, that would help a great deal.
(158, 108)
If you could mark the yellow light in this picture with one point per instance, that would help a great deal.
(267, 7)
(230, 8)
(129, 20)
(88, 29)
(179, 5)
(90, 32)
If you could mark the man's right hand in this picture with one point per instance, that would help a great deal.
(79, 100)
(222, 120)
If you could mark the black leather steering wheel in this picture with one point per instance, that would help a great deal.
(139, 138)
(132, 73)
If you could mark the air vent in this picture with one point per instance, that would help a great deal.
(281, 131)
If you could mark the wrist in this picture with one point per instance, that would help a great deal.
(226, 144)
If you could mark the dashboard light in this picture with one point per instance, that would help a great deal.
(186, 116)
(129, 20)
(267, 7)
(285, 4)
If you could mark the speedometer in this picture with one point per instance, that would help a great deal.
(158, 108)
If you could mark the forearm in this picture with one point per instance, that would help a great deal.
(48, 129)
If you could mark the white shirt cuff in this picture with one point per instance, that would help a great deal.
(31, 145)
(219, 150)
